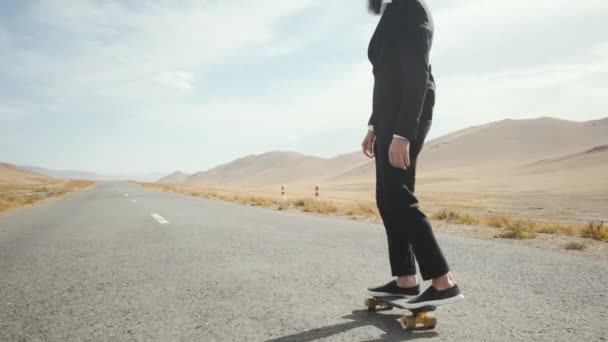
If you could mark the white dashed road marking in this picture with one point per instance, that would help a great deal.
(134, 201)
(159, 218)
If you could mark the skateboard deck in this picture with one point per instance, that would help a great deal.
(423, 317)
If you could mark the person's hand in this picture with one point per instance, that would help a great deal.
(399, 153)
(368, 144)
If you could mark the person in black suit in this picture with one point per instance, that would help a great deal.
(403, 101)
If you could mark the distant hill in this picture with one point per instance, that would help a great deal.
(62, 174)
(14, 174)
(75, 174)
(177, 177)
(472, 157)
(582, 172)
(594, 158)
(274, 167)
(256, 170)
(509, 142)
(500, 145)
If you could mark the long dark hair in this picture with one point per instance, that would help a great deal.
(374, 6)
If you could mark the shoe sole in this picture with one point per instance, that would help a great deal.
(388, 294)
(433, 302)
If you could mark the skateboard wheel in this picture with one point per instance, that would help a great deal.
(431, 321)
(426, 320)
(408, 322)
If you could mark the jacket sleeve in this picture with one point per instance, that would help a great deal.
(414, 42)
(372, 120)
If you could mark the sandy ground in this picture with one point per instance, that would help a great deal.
(555, 207)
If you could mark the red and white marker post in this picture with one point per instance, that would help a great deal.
(283, 196)
(317, 193)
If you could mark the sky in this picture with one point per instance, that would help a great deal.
(156, 86)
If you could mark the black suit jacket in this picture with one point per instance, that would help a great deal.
(399, 52)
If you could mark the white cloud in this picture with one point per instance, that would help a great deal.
(14, 108)
(338, 98)
(575, 90)
(474, 19)
(122, 59)
(112, 47)
(177, 79)
(12, 112)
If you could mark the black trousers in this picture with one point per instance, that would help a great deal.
(410, 235)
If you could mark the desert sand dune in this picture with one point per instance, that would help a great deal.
(512, 142)
(275, 168)
(482, 152)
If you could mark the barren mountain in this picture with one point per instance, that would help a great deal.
(505, 152)
(594, 158)
(76, 174)
(258, 170)
(511, 142)
(583, 172)
(13, 174)
(61, 174)
(498, 148)
(177, 177)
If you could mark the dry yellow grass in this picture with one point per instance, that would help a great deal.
(300, 204)
(455, 217)
(556, 228)
(14, 195)
(519, 230)
(497, 221)
(512, 228)
(595, 230)
(363, 210)
(517, 227)
(312, 206)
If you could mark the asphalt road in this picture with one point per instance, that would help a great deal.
(122, 263)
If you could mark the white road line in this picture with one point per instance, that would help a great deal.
(126, 195)
(159, 218)
(134, 201)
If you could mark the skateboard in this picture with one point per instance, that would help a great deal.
(423, 317)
